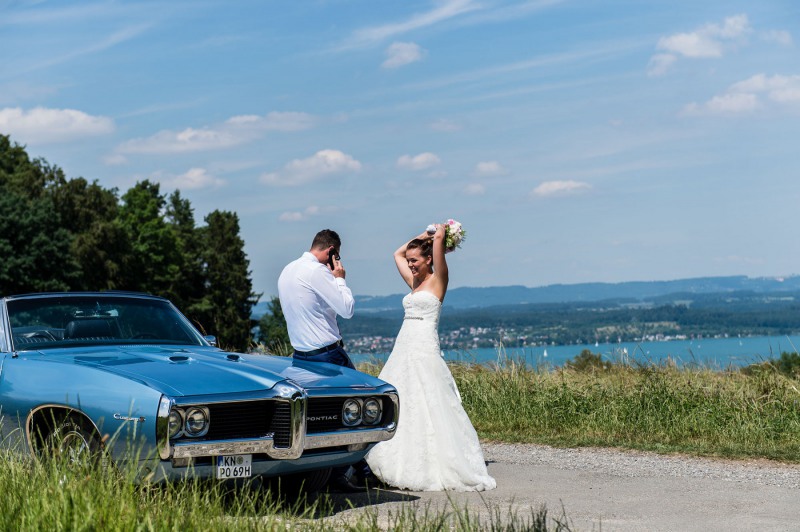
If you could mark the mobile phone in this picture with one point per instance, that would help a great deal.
(331, 257)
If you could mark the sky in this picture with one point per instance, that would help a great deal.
(576, 141)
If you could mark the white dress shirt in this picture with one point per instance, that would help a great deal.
(311, 297)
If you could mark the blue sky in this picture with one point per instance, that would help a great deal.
(576, 141)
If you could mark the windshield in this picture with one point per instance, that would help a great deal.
(65, 321)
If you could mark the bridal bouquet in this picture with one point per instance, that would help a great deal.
(454, 234)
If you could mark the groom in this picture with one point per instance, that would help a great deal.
(312, 291)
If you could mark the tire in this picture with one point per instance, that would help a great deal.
(71, 441)
(307, 482)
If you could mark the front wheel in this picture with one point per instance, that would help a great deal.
(70, 440)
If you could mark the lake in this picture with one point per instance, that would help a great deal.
(715, 353)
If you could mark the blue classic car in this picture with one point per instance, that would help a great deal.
(98, 372)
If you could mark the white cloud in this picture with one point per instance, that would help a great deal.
(488, 169)
(423, 161)
(560, 188)
(234, 131)
(322, 164)
(445, 10)
(778, 36)
(660, 64)
(195, 178)
(275, 121)
(403, 53)
(475, 189)
(733, 103)
(115, 159)
(746, 95)
(709, 41)
(781, 89)
(42, 125)
(445, 125)
(299, 216)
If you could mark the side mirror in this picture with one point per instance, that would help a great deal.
(211, 339)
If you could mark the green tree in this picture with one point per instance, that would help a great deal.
(33, 243)
(188, 284)
(100, 244)
(35, 249)
(228, 300)
(154, 259)
(272, 330)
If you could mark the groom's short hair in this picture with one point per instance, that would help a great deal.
(325, 239)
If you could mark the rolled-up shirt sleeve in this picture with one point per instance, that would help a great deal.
(334, 291)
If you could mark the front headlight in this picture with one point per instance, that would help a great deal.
(372, 411)
(351, 412)
(175, 423)
(197, 421)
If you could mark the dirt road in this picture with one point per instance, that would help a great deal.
(608, 490)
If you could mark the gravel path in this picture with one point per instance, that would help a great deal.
(610, 490)
(644, 464)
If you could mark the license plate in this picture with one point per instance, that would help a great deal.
(234, 466)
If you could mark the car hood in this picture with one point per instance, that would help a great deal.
(186, 371)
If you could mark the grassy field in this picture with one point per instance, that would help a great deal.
(697, 411)
(57, 495)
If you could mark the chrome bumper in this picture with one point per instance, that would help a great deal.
(300, 440)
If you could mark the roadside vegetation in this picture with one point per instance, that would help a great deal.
(61, 495)
(748, 413)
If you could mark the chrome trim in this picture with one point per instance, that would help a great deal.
(285, 391)
(5, 330)
(300, 440)
(297, 433)
(69, 410)
(334, 439)
(266, 445)
(162, 427)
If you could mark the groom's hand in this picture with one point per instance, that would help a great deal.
(337, 269)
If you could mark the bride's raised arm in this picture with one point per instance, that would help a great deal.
(439, 262)
(402, 264)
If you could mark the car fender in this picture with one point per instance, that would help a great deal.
(116, 407)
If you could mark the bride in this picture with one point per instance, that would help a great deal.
(435, 447)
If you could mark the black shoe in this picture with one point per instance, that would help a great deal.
(345, 485)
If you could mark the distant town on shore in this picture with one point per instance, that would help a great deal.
(517, 316)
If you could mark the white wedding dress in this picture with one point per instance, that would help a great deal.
(435, 447)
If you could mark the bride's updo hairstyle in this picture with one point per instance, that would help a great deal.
(425, 247)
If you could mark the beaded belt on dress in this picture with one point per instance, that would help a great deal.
(413, 318)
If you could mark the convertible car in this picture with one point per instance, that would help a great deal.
(126, 375)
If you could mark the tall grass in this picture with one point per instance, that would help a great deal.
(660, 408)
(60, 495)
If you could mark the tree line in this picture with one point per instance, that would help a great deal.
(68, 234)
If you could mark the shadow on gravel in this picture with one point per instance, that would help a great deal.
(326, 503)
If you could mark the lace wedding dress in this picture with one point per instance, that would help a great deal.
(435, 447)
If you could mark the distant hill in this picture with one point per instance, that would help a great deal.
(468, 297)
